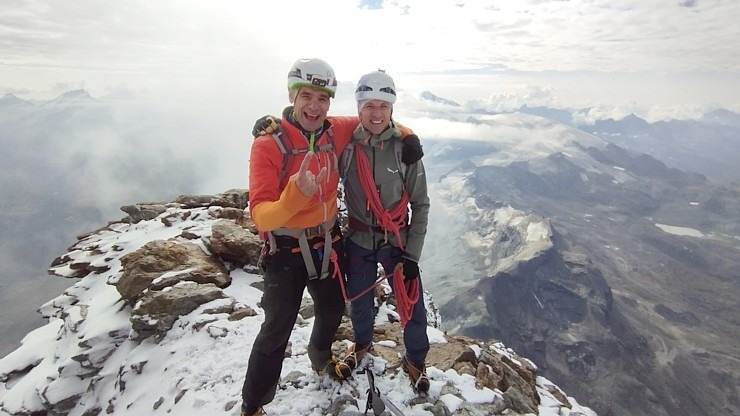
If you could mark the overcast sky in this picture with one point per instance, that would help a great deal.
(672, 54)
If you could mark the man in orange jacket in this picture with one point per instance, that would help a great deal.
(293, 182)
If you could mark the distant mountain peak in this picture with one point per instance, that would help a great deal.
(429, 96)
(78, 94)
(634, 118)
(11, 99)
(722, 117)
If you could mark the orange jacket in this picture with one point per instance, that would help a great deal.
(273, 205)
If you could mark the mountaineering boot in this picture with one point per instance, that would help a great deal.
(338, 370)
(417, 374)
(323, 362)
(355, 354)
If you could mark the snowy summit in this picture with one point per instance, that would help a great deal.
(162, 319)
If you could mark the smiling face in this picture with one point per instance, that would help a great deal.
(375, 116)
(310, 106)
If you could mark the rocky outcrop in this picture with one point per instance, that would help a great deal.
(161, 264)
(177, 284)
(165, 279)
(232, 241)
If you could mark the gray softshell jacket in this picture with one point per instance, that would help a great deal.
(388, 171)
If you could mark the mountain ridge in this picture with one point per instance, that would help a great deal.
(620, 299)
(167, 299)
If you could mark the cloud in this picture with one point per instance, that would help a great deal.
(605, 36)
(233, 58)
(515, 98)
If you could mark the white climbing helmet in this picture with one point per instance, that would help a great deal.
(312, 72)
(376, 86)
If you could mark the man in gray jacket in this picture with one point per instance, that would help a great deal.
(379, 190)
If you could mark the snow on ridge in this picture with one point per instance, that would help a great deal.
(190, 371)
(527, 235)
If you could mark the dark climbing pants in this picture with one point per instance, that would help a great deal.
(362, 272)
(285, 279)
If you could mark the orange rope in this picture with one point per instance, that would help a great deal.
(407, 294)
(335, 261)
(391, 221)
(338, 275)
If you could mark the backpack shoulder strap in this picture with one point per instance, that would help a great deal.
(398, 151)
(346, 160)
(287, 149)
(349, 151)
(330, 143)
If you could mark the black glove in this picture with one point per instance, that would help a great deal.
(410, 270)
(265, 125)
(411, 151)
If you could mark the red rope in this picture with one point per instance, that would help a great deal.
(338, 275)
(407, 294)
(335, 261)
(392, 220)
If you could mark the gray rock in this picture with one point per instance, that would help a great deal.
(157, 311)
(232, 242)
(160, 264)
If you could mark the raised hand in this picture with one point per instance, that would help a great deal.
(307, 182)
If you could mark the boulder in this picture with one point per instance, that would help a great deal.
(234, 243)
(159, 264)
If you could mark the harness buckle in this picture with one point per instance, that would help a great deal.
(316, 231)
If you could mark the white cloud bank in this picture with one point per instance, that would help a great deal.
(580, 53)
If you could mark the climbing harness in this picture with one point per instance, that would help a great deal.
(303, 235)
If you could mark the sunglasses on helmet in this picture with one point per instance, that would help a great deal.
(363, 88)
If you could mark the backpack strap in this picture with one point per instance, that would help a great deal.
(287, 149)
(346, 160)
(349, 151)
(398, 151)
